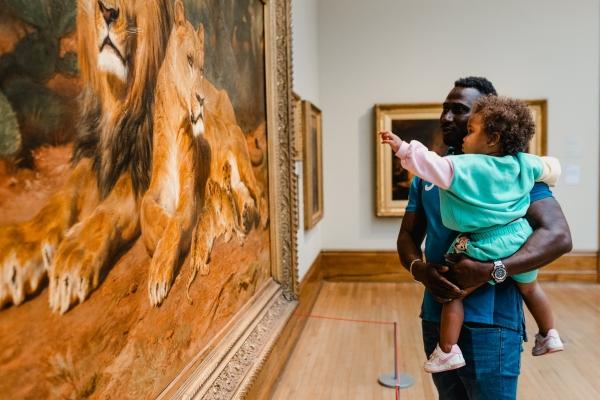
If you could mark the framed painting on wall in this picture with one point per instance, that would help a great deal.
(313, 165)
(538, 144)
(410, 122)
(420, 121)
(149, 227)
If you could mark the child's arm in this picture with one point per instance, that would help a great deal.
(551, 171)
(415, 157)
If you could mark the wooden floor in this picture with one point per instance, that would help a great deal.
(338, 359)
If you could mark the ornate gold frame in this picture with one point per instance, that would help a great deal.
(226, 368)
(386, 113)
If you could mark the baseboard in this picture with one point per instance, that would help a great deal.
(363, 266)
(384, 266)
(266, 381)
(572, 267)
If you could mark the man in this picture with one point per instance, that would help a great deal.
(494, 326)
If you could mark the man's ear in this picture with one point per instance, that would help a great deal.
(493, 139)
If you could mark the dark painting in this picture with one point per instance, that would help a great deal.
(426, 131)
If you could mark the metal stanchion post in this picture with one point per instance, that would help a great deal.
(395, 379)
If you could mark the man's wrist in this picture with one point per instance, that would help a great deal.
(481, 271)
(486, 269)
(417, 267)
(412, 263)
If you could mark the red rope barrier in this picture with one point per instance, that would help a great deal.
(367, 321)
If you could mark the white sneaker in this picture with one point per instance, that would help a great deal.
(440, 361)
(547, 344)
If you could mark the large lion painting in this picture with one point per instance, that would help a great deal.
(135, 228)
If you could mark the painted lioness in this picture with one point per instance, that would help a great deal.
(195, 148)
(180, 157)
(85, 223)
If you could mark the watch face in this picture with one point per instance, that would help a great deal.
(499, 274)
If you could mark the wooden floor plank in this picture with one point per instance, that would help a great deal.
(342, 359)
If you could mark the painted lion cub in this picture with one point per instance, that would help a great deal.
(180, 159)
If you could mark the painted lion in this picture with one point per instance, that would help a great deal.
(201, 171)
(76, 235)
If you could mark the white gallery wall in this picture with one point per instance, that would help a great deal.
(306, 83)
(395, 51)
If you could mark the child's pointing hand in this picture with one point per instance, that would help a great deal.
(394, 141)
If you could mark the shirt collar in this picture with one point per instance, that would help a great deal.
(451, 151)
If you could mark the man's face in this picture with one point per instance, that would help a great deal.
(456, 113)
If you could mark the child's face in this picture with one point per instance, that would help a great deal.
(476, 141)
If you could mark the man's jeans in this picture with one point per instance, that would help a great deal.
(493, 357)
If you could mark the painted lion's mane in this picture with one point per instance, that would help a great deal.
(122, 144)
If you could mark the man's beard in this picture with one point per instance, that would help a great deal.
(453, 140)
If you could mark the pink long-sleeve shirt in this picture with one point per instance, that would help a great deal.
(415, 157)
(479, 191)
(428, 165)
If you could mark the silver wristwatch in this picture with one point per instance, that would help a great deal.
(499, 272)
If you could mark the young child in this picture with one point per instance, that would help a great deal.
(485, 194)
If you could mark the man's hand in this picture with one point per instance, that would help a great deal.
(467, 272)
(431, 275)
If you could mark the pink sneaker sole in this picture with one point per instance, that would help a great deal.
(548, 351)
(444, 368)
(447, 368)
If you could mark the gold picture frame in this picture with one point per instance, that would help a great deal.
(538, 144)
(298, 113)
(312, 164)
(420, 121)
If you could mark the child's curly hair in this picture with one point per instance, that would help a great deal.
(509, 118)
